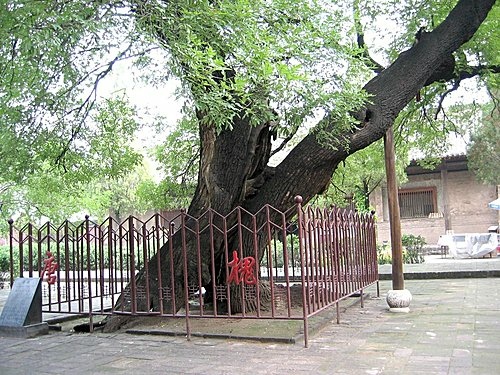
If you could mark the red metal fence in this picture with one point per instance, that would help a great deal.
(267, 265)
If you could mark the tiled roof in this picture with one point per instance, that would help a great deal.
(456, 162)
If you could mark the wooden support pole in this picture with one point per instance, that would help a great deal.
(447, 216)
(394, 215)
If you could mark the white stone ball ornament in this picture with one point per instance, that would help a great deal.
(399, 300)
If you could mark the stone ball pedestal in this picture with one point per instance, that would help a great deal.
(399, 300)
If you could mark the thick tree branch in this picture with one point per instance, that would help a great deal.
(397, 85)
(390, 92)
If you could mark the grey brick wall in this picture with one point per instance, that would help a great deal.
(468, 206)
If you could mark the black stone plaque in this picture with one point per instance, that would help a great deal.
(24, 304)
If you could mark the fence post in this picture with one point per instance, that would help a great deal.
(156, 236)
(67, 255)
(185, 267)
(133, 295)
(145, 261)
(172, 270)
(111, 263)
(11, 252)
(89, 271)
(30, 249)
(298, 201)
(21, 254)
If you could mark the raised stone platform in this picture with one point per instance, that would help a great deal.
(440, 267)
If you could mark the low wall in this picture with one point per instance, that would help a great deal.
(430, 229)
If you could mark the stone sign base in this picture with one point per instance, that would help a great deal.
(22, 314)
(25, 331)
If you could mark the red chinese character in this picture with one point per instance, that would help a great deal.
(234, 275)
(242, 270)
(50, 268)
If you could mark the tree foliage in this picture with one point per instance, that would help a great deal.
(51, 58)
(236, 57)
(359, 175)
(57, 191)
(284, 63)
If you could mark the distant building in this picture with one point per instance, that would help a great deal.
(434, 202)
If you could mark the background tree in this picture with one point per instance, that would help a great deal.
(50, 191)
(359, 175)
(484, 150)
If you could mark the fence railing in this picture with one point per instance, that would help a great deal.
(264, 265)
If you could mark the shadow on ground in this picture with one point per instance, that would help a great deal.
(262, 330)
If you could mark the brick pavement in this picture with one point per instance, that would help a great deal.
(453, 328)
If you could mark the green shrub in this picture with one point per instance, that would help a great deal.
(4, 265)
(412, 250)
(4, 259)
(384, 254)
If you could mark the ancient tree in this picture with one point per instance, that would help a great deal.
(234, 161)
(255, 71)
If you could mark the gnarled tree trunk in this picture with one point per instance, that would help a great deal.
(234, 168)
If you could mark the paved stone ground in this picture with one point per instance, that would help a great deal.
(453, 328)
